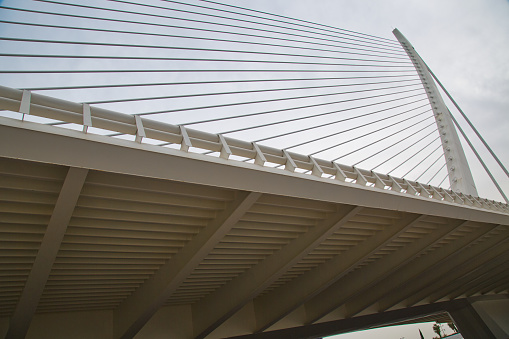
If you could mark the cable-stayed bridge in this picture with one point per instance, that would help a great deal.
(194, 169)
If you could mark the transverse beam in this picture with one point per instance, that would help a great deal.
(340, 292)
(455, 268)
(64, 207)
(418, 274)
(278, 303)
(213, 310)
(137, 310)
(409, 277)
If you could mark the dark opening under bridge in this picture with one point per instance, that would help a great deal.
(308, 200)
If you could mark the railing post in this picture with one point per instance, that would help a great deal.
(460, 176)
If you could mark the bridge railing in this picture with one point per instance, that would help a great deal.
(25, 102)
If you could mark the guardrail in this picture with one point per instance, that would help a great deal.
(26, 102)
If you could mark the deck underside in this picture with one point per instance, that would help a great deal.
(100, 225)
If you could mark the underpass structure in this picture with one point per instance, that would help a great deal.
(118, 225)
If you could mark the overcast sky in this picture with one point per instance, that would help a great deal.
(464, 42)
(397, 332)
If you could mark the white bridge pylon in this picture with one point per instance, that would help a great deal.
(82, 114)
(460, 176)
(117, 225)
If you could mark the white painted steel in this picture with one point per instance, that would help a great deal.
(44, 106)
(460, 176)
(134, 222)
(50, 245)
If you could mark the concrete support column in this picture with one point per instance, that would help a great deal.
(495, 314)
(482, 319)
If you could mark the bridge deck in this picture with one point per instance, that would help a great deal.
(94, 223)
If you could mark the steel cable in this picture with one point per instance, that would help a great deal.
(395, 45)
(413, 155)
(217, 82)
(265, 44)
(317, 126)
(300, 20)
(379, 140)
(433, 177)
(403, 150)
(419, 163)
(350, 140)
(302, 107)
(434, 162)
(207, 22)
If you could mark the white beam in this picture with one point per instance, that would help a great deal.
(87, 117)
(136, 310)
(140, 130)
(378, 181)
(290, 164)
(423, 190)
(17, 140)
(395, 185)
(64, 207)
(214, 309)
(410, 188)
(341, 291)
(225, 149)
(361, 179)
(24, 106)
(340, 174)
(186, 141)
(317, 170)
(276, 304)
(259, 157)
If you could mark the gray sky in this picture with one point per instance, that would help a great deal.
(397, 332)
(464, 42)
